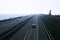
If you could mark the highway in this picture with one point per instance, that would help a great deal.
(26, 28)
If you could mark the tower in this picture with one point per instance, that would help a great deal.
(50, 12)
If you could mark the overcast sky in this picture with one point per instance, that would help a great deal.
(29, 6)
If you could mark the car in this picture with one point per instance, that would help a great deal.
(33, 26)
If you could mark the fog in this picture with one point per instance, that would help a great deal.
(7, 16)
(13, 8)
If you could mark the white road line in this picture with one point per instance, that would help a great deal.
(47, 32)
(26, 35)
(29, 34)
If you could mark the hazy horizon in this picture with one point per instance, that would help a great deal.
(7, 16)
(27, 7)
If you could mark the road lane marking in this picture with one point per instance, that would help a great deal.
(37, 27)
(36, 22)
(47, 33)
(27, 34)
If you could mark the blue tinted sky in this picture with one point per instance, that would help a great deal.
(29, 7)
(7, 16)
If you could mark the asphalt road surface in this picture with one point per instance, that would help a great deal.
(31, 28)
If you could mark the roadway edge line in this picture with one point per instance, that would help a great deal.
(47, 32)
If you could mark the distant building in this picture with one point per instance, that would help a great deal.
(50, 12)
